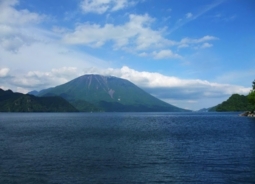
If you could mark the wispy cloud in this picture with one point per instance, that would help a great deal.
(222, 17)
(206, 45)
(244, 77)
(208, 8)
(103, 6)
(165, 54)
(191, 17)
(197, 43)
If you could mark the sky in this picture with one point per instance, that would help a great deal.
(192, 54)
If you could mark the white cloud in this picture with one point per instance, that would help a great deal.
(165, 54)
(102, 6)
(154, 80)
(30, 66)
(135, 33)
(197, 43)
(189, 15)
(4, 72)
(10, 16)
(168, 88)
(44, 56)
(206, 45)
(15, 25)
(121, 4)
(175, 90)
(183, 45)
(25, 47)
(95, 6)
(143, 54)
(41, 80)
(200, 40)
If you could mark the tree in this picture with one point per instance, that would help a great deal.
(251, 95)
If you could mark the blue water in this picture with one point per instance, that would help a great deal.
(63, 148)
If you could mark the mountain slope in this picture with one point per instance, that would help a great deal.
(109, 94)
(235, 102)
(18, 102)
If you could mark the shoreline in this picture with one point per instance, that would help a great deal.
(248, 114)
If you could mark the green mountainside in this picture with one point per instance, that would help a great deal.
(18, 102)
(235, 102)
(110, 94)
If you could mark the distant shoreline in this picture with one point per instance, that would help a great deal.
(248, 114)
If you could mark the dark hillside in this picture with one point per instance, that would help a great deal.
(18, 102)
(235, 102)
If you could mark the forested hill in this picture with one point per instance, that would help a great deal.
(235, 103)
(18, 102)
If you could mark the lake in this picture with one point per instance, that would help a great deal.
(70, 148)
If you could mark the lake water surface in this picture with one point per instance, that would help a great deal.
(70, 148)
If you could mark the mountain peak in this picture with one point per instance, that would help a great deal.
(109, 93)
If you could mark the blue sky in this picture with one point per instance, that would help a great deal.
(189, 53)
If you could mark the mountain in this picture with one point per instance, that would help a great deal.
(235, 102)
(110, 94)
(34, 92)
(203, 110)
(18, 102)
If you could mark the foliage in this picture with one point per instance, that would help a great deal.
(238, 102)
(251, 95)
(235, 103)
(18, 102)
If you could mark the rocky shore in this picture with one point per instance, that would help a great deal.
(248, 114)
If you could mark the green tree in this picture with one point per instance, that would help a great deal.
(251, 95)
